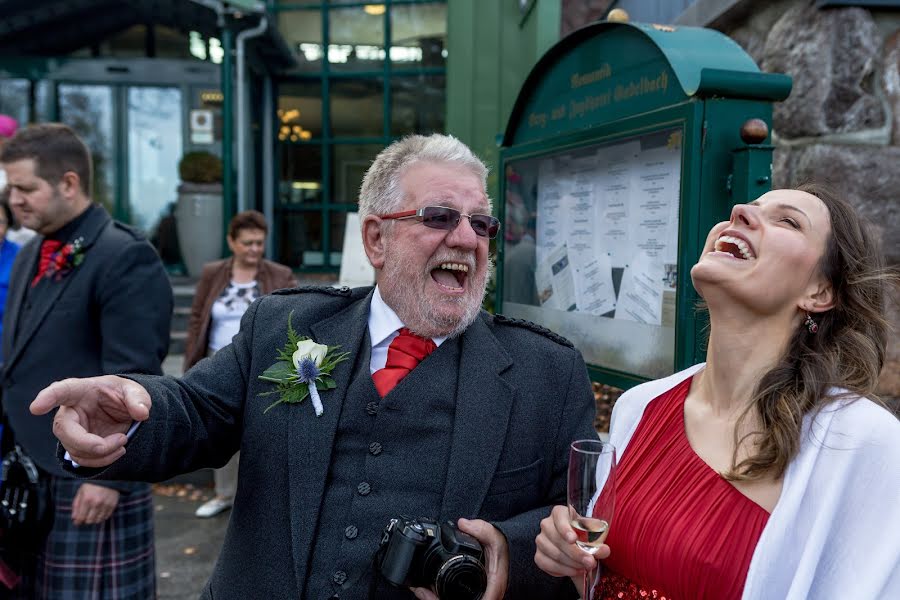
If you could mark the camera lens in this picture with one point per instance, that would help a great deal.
(460, 578)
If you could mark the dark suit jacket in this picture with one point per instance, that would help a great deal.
(270, 276)
(521, 399)
(110, 314)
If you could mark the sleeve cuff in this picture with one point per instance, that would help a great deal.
(75, 465)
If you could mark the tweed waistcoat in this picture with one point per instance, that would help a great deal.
(389, 459)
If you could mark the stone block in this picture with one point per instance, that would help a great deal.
(833, 56)
(578, 13)
(868, 176)
(890, 79)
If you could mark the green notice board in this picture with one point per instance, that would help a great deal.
(624, 147)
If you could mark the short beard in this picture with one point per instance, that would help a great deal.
(415, 312)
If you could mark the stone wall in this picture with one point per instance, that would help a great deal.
(841, 123)
(578, 13)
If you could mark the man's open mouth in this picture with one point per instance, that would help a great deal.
(734, 246)
(451, 275)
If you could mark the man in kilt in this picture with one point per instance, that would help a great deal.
(87, 296)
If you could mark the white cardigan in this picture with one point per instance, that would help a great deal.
(835, 531)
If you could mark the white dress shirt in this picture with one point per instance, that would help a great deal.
(384, 326)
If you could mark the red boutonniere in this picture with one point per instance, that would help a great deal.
(64, 260)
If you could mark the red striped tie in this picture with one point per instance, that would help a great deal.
(405, 352)
(48, 247)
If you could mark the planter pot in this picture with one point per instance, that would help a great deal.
(199, 217)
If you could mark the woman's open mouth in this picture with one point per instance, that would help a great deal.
(734, 246)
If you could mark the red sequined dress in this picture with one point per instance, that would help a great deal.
(679, 531)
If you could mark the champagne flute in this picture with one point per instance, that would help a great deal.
(592, 495)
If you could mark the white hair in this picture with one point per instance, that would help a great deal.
(380, 192)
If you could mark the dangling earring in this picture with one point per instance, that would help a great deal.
(811, 325)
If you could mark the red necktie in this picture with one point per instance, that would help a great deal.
(48, 247)
(405, 352)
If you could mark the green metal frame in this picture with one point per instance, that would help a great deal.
(121, 207)
(688, 116)
(714, 87)
(325, 76)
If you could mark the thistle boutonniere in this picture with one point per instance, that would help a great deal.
(64, 260)
(303, 367)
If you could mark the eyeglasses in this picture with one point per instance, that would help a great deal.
(441, 217)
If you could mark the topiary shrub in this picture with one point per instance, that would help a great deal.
(200, 167)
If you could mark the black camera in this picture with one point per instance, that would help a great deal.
(424, 553)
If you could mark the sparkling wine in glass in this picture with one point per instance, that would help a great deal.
(592, 494)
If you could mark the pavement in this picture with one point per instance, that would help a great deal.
(186, 546)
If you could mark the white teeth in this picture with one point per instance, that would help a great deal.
(455, 267)
(739, 243)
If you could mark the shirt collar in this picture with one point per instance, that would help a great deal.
(383, 321)
(66, 231)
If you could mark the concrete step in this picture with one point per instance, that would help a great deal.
(180, 318)
(183, 295)
(177, 342)
(172, 365)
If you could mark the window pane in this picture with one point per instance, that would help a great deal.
(357, 107)
(301, 174)
(348, 164)
(88, 109)
(154, 148)
(418, 104)
(43, 108)
(14, 99)
(302, 30)
(356, 41)
(338, 223)
(299, 239)
(299, 111)
(419, 35)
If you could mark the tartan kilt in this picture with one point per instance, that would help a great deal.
(112, 560)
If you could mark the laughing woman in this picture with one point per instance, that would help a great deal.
(768, 471)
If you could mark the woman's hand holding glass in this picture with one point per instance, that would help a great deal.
(571, 538)
(557, 553)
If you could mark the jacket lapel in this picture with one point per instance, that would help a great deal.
(483, 404)
(89, 230)
(311, 438)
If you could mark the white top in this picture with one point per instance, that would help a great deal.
(835, 531)
(384, 325)
(20, 235)
(227, 310)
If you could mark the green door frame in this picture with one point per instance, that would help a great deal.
(325, 76)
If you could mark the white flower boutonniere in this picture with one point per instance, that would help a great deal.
(303, 367)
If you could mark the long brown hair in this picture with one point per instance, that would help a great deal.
(847, 351)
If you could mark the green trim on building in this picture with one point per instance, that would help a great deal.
(493, 47)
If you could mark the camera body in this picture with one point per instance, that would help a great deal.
(425, 553)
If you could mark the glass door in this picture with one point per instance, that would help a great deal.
(154, 125)
(89, 110)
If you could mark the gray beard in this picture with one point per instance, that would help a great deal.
(416, 314)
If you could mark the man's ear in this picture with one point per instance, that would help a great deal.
(70, 184)
(373, 240)
(820, 297)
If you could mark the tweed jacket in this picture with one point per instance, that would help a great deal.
(109, 314)
(270, 276)
(522, 396)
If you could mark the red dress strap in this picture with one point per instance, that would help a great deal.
(680, 530)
